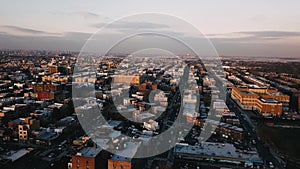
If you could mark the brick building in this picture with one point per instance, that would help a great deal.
(267, 101)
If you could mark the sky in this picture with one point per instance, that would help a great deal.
(235, 27)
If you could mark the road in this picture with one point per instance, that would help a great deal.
(246, 122)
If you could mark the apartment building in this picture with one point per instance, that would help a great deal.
(268, 101)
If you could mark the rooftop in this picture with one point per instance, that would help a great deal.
(221, 124)
(144, 116)
(269, 100)
(15, 155)
(47, 135)
(223, 150)
(256, 87)
(114, 123)
(128, 152)
(246, 92)
(90, 151)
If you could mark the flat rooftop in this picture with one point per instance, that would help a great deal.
(44, 135)
(269, 100)
(144, 116)
(114, 123)
(15, 155)
(220, 105)
(246, 92)
(220, 150)
(256, 87)
(90, 151)
(221, 124)
(128, 152)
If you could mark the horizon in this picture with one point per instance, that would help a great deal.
(78, 52)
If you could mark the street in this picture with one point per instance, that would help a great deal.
(250, 128)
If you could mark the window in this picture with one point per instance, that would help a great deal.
(87, 164)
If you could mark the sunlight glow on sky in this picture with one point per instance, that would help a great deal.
(257, 27)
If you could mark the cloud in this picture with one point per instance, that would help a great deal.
(23, 30)
(254, 35)
(88, 15)
(77, 34)
(257, 43)
(66, 41)
(43, 34)
(271, 34)
(132, 25)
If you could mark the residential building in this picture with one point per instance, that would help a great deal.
(268, 101)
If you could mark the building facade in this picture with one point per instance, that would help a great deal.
(267, 101)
